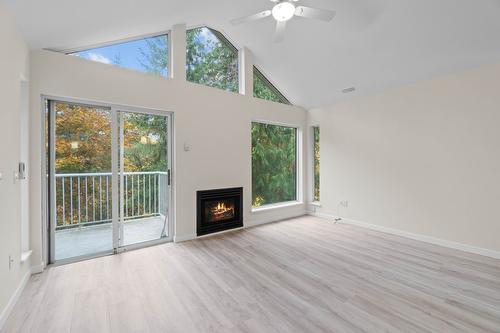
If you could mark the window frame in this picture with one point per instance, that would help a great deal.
(298, 168)
(257, 72)
(168, 33)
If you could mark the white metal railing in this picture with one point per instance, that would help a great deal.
(85, 198)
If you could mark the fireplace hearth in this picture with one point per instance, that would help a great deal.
(219, 210)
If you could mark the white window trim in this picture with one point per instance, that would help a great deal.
(299, 200)
(265, 208)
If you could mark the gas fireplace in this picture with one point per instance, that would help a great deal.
(219, 210)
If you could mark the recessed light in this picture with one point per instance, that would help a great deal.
(348, 90)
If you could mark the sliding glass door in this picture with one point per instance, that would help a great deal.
(144, 177)
(109, 179)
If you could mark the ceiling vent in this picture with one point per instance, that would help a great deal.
(348, 90)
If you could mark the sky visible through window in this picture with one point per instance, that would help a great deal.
(207, 38)
(211, 60)
(137, 55)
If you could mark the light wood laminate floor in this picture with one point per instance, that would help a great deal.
(300, 275)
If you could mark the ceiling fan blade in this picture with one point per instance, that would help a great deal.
(315, 13)
(279, 35)
(250, 18)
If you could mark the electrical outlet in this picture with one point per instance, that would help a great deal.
(344, 203)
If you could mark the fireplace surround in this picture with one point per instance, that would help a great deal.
(219, 210)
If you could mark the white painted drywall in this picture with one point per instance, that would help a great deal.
(13, 67)
(423, 158)
(214, 123)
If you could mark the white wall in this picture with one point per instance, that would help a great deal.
(215, 123)
(13, 66)
(423, 158)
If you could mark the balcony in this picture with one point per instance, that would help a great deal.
(84, 211)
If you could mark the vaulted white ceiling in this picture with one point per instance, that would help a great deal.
(371, 44)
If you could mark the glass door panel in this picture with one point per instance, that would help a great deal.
(109, 179)
(80, 180)
(144, 177)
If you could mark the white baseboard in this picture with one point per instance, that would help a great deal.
(13, 299)
(256, 222)
(183, 238)
(38, 268)
(323, 215)
(418, 237)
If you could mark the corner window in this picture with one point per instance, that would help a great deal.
(149, 55)
(274, 164)
(211, 59)
(316, 155)
(263, 89)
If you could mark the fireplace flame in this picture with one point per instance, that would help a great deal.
(221, 210)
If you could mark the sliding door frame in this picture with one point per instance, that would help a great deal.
(48, 175)
(118, 235)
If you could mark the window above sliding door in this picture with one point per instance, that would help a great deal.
(149, 55)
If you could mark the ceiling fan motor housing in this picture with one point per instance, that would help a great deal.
(283, 11)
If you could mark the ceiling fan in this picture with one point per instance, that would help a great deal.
(283, 11)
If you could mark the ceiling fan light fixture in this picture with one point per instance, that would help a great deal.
(283, 11)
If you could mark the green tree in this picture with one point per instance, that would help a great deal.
(155, 59)
(83, 139)
(261, 89)
(274, 158)
(316, 164)
(145, 142)
(211, 60)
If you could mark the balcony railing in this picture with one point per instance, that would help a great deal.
(84, 199)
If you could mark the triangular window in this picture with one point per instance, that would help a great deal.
(264, 89)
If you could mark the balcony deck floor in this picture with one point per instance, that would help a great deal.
(72, 243)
